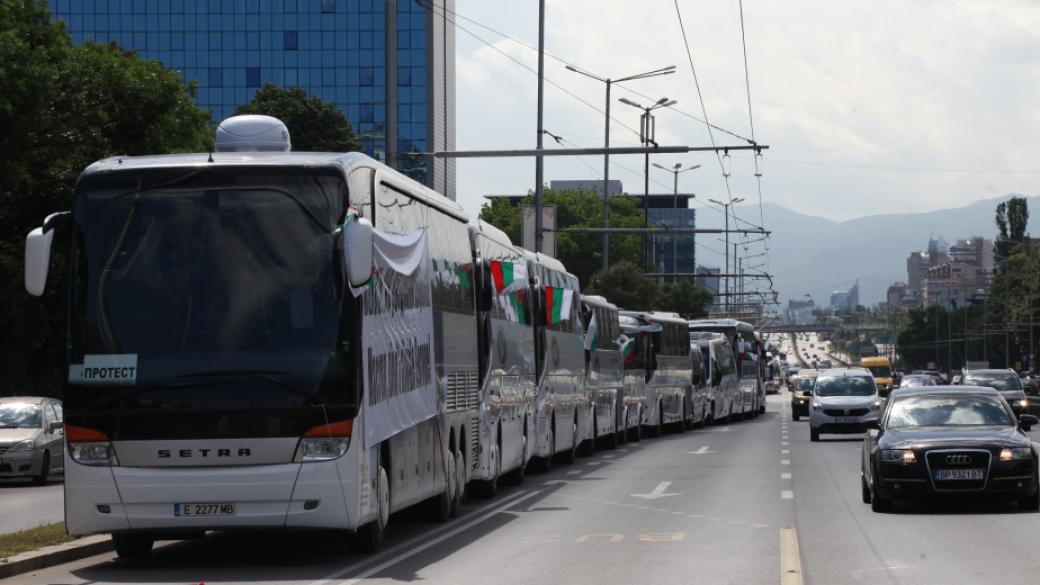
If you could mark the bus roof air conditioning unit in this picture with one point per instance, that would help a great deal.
(252, 133)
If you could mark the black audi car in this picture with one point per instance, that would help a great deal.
(956, 440)
(1005, 381)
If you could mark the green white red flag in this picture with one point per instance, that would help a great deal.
(558, 303)
(508, 276)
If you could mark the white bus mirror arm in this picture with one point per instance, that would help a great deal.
(357, 251)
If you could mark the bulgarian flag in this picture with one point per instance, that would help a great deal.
(508, 275)
(557, 304)
(628, 350)
(518, 302)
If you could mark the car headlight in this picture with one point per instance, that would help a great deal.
(1012, 453)
(904, 456)
(26, 445)
(802, 401)
(876, 405)
(1022, 402)
(817, 406)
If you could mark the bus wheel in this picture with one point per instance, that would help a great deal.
(132, 545)
(637, 433)
(370, 536)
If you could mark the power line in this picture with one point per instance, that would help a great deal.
(751, 116)
(902, 168)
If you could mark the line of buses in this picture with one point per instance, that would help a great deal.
(217, 292)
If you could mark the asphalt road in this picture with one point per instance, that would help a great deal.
(24, 505)
(735, 504)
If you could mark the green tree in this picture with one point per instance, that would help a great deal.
(61, 108)
(1012, 216)
(626, 285)
(685, 298)
(314, 125)
(580, 253)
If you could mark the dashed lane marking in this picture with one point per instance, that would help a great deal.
(785, 451)
(787, 494)
(785, 462)
(785, 475)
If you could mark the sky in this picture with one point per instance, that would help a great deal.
(875, 107)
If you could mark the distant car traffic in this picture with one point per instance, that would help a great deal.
(939, 379)
(845, 400)
(1005, 381)
(956, 440)
(801, 394)
(31, 437)
(914, 380)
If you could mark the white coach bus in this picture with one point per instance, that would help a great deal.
(507, 369)
(564, 416)
(247, 351)
(750, 362)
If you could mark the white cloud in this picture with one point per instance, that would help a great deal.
(948, 84)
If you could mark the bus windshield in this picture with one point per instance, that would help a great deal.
(191, 275)
(880, 371)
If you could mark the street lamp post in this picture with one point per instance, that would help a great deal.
(647, 131)
(606, 139)
(726, 206)
(675, 170)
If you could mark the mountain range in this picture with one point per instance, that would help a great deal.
(817, 256)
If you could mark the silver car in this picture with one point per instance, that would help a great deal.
(845, 400)
(31, 437)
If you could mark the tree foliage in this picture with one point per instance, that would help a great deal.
(314, 125)
(61, 108)
(1012, 216)
(626, 285)
(687, 299)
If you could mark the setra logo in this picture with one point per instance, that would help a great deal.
(958, 459)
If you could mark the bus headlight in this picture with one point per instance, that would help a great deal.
(94, 454)
(324, 442)
(90, 447)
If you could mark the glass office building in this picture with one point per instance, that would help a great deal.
(389, 65)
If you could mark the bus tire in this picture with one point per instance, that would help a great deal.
(611, 440)
(637, 432)
(132, 545)
(516, 476)
(588, 448)
(370, 536)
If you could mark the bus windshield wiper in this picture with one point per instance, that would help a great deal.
(269, 375)
(139, 390)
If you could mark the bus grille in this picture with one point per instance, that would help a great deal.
(463, 391)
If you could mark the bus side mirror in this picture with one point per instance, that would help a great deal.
(38, 252)
(357, 251)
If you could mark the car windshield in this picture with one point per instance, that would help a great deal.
(948, 411)
(19, 415)
(880, 371)
(806, 383)
(845, 386)
(917, 381)
(999, 381)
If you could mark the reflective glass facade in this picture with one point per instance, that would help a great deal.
(387, 64)
(665, 248)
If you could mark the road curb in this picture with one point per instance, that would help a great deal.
(54, 555)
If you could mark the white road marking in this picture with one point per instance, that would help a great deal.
(785, 442)
(785, 475)
(702, 451)
(658, 492)
(785, 451)
(787, 494)
(593, 463)
(573, 472)
(785, 462)
(553, 482)
(411, 547)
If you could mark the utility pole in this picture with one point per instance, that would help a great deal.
(606, 141)
(675, 170)
(725, 208)
(539, 163)
(647, 132)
